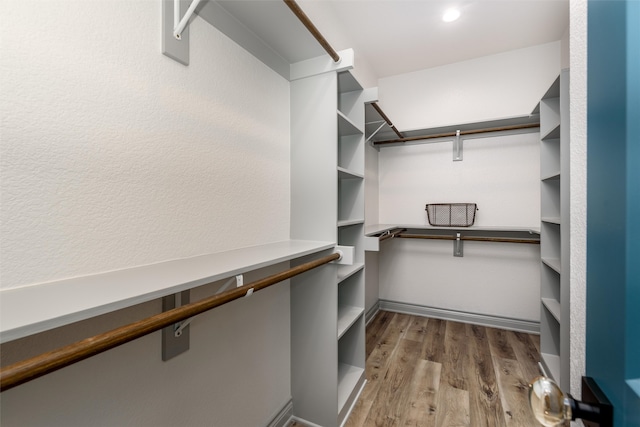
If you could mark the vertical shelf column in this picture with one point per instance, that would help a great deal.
(327, 204)
(314, 349)
(350, 229)
(554, 231)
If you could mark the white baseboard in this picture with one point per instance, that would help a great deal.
(284, 416)
(518, 325)
(371, 313)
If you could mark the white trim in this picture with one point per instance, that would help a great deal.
(518, 325)
(371, 313)
(305, 422)
(283, 417)
(353, 403)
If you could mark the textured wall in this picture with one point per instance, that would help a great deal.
(578, 190)
(113, 155)
(500, 173)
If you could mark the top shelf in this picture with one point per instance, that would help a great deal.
(31, 309)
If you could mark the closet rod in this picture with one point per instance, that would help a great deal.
(35, 367)
(462, 132)
(312, 29)
(386, 119)
(472, 238)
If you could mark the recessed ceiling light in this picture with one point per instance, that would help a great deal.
(451, 15)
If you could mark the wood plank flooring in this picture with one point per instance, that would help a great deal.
(426, 372)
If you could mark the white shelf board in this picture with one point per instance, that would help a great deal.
(347, 222)
(551, 176)
(551, 219)
(346, 126)
(554, 133)
(551, 363)
(347, 82)
(346, 271)
(31, 309)
(348, 379)
(553, 306)
(554, 263)
(344, 173)
(347, 316)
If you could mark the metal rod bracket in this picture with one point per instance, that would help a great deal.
(175, 338)
(180, 24)
(457, 247)
(457, 147)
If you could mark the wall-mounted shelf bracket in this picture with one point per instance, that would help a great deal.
(457, 246)
(180, 24)
(376, 131)
(457, 147)
(175, 30)
(175, 338)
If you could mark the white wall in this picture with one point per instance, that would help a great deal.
(371, 212)
(488, 88)
(500, 174)
(113, 156)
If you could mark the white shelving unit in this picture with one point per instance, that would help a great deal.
(554, 230)
(350, 227)
(327, 307)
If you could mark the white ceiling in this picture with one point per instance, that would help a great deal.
(400, 36)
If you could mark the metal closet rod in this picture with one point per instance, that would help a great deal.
(38, 366)
(386, 119)
(472, 238)
(312, 29)
(462, 132)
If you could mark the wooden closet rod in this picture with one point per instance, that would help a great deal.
(35, 367)
(386, 119)
(312, 29)
(473, 238)
(462, 132)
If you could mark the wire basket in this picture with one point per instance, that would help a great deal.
(451, 214)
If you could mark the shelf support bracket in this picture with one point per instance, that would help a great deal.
(457, 147)
(175, 30)
(457, 246)
(180, 24)
(376, 131)
(175, 338)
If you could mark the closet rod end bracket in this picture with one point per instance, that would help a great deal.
(346, 255)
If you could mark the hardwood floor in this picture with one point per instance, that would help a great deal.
(430, 372)
(437, 373)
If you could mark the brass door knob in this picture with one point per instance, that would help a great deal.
(549, 404)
